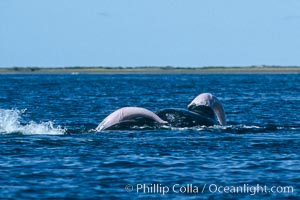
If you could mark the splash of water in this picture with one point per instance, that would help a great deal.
(10, 122)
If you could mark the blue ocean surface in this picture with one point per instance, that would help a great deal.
(50, 150)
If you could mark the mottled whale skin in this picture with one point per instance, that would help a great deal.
(184, 118)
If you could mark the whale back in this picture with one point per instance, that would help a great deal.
(128, 114)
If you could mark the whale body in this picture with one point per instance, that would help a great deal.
(204, 110)
(209, 101)
(128, 115)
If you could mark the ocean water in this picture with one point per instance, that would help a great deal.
(49, 148)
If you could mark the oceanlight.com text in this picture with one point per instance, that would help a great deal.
(157, 188)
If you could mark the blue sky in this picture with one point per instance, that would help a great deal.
(149, 32)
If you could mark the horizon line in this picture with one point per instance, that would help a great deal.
(152, 66)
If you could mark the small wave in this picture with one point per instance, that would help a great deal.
(10, 122)
(244, 128)
(236, 129)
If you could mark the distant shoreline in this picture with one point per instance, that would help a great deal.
(152, 70)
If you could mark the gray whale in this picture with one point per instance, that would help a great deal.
(205, 110)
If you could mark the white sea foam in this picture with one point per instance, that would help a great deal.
(10, 123)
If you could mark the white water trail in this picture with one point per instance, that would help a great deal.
(10, 123)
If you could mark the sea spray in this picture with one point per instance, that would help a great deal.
(10, 123)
